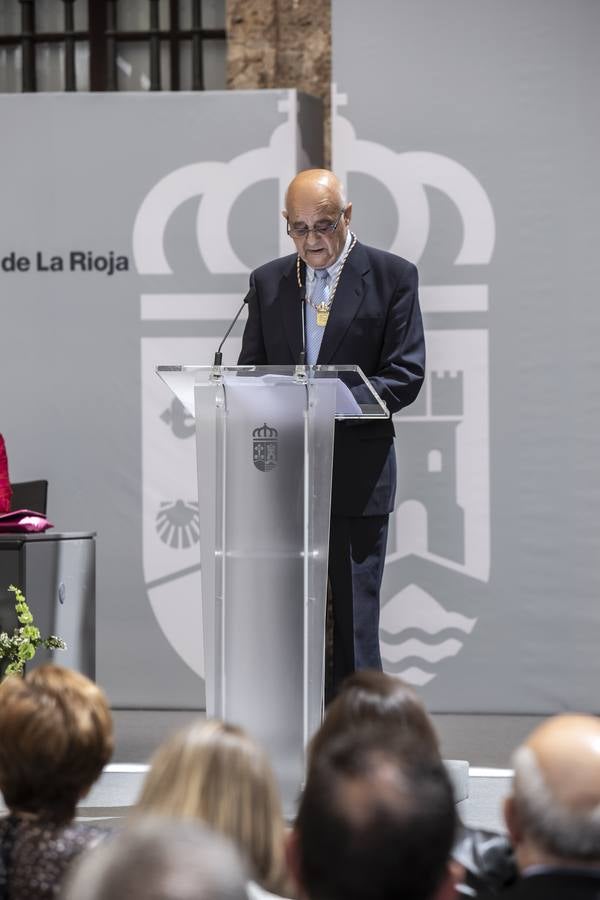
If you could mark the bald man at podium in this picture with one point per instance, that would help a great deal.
(362, 308)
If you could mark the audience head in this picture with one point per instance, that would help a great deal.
(216, 773)
(55, 737)
(553, 814)
(159, 859)
(373, 697)
(374, 821)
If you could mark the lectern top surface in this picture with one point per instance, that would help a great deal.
(355, 396)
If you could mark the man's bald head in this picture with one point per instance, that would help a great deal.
(555, 807)
(318, 185)
(567, 751)
(315, 199)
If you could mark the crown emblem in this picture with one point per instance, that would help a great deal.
(265, 432)
(264, 447)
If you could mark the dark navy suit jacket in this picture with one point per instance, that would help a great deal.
(375, 323)
(560, 884)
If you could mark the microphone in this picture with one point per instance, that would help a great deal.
(302, 360)
(218, 360)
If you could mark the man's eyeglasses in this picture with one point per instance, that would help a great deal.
(302, 231)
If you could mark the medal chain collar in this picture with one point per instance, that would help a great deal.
(326, 306)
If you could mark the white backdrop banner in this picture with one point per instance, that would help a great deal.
(468, 134)
(128, 227)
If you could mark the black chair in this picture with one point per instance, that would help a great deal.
(30, 495)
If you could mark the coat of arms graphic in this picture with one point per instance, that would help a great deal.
(264, 447)
(439, 546)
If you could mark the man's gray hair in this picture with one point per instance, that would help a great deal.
(159, 859)
(556, 829)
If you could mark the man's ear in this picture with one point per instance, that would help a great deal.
(447, 887)
(348, 213)
(292, 858)
(511, 817)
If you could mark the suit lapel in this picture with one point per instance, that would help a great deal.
(348, 297)
(291, 313)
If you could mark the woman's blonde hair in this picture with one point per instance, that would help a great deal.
(217, 773)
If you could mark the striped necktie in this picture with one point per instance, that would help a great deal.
(314, 332)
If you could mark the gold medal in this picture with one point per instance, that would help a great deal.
(322, 315)
(322, 310)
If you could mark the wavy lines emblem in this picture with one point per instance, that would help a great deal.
(417, 634)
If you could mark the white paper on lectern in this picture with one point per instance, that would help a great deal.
(345, 404)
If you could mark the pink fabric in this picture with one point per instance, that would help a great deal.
(23, 520)
(5, 488)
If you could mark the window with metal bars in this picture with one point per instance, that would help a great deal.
(112, 45)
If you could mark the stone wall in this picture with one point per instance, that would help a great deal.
(281, 44)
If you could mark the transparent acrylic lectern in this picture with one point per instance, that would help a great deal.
(264, 440)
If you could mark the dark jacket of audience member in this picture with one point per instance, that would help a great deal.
(55, 737)
(376, 822)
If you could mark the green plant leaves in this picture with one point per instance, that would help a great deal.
(21, 646)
